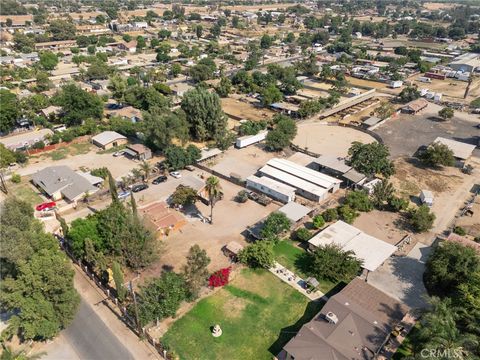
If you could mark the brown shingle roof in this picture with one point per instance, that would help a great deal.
(365, 316)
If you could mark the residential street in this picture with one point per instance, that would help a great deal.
(96, 333)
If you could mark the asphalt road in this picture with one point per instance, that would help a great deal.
(91, 339)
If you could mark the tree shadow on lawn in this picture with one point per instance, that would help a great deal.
(312, 309)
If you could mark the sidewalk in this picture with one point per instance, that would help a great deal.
(93, 296)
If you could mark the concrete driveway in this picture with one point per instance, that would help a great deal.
(402, 277)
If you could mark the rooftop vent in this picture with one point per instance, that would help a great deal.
(331, 317)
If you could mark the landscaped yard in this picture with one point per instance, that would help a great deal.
(257, 312)
(25, 191)
(293, 258)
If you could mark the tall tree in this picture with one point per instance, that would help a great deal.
(79, 105)
(370, 159)
(37, 280)
(9, 110)
(204, 113)
(195, 271)
(112, 187)
(214, 190)
(119, 281)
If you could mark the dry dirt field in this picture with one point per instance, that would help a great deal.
(381, 224)
(449, 186)
(242, 110)
(325, 139)
(451, 89)
(229, 221)
(471, 223)
(243, 162)
(437, 6)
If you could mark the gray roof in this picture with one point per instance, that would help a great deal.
(365, 316)
(107, 137)
(294, 211)
(61, 178)
(354, 176)
(372, 120)
(332, 162)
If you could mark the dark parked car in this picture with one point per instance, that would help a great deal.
(159, 180)
(139, 187)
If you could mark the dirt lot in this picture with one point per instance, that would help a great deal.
(452, 90)
(406, 133)
(79, 156)
(241, 110)
(325, 139)
(471, 223)
(230, 220)
(437, 6)
(449, 186)
(243, 162)
(381, 224)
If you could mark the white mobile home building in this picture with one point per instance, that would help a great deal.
(272, 188)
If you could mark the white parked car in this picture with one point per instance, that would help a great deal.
(176, 174)
(119, 153)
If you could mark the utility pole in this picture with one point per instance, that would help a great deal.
(135, 306)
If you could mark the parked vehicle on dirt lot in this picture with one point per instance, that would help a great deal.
(123, 195)
(118, 153)
(159, 180)
(190, 168)
(139, 187)
(176, 174)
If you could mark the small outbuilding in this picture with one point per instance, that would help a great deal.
(138, 152)
(109, 139)
(415, 106)
(295, 212)
(426, 197)
(232, 249)
(461, 150)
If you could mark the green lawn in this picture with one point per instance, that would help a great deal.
(293, 258)
(24, 191)
(257, 312)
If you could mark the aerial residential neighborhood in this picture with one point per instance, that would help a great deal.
(251, 180)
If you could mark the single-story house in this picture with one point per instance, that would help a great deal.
(414, 106)
(138, 151)
(461, 151)
(62, 182)
(355, 324)
(371, 250)
(109, 139)
(128, 113)
(51, 110)
(159, 217)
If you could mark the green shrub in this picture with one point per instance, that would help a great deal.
(359, 200)
(347, 214)
(398, 204)
(242, 196)
(16, 178)
(303, 234)
(38, 145)
(459, 231)
(330, 215)
(100, 172)
(318, 221)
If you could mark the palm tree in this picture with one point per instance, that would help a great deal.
(9, 354)
(136, 174)
(146, 168)
(214, 190)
